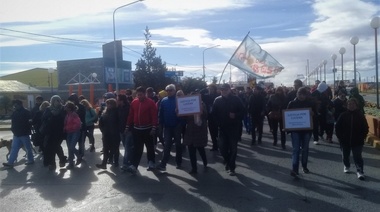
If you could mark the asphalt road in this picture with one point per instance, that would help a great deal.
(262, 183)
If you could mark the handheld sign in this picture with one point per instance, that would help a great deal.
(297, 119)
(188, 105)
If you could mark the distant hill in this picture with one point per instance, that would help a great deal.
(37, 77)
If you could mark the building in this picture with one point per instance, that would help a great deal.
(12, 89)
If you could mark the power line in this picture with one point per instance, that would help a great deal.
(63, 39)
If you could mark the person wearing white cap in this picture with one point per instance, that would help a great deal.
(322, 100)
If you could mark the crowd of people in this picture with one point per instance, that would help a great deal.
(144, 118)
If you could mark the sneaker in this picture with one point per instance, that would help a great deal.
(294, 174)
(8, 165)
(29, 162)
(227, 167)
(124, 168)
(360, 176)
(79, 161)
(161, 168)
(232, 173)
(321, 138)
(151, 165)
(52, 167)
(132, 169)
(305, 170)
(63, 162)
(316, 142)
(101, 166)
(346, 169)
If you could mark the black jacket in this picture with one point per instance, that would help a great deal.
(55, 123)
(20, 122)
(109, 122)
(351, 128)
(223, 106)
(123, 116)
(256, 106)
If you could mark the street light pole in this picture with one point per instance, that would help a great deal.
(51, 71)
(324, 62)
(204, 72)
(333, 57)
(354, 40)
(375, 24)
(114, 43)
(341, 52)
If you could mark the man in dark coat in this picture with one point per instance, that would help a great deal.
(21, 130)
(228, 111)
(256, 109)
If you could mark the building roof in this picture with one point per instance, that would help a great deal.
(13, 86)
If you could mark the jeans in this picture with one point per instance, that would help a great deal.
(257, 122)
(247, 123)
(17, 143)
(228, 139)
(213, 129)
(357, 155)
(316, 128)
(193, 156)
(82, 138)
(128, 148)
(71, 142)
(170, 134)
(300, 140)
(275, 124)
(90, 134)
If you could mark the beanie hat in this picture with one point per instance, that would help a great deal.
(322, 87)
(163, 94)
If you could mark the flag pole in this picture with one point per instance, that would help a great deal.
(220, 79)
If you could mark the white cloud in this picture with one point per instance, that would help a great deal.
(165, 7)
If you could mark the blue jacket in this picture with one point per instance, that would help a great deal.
(167, 114)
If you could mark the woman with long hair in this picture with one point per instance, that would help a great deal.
(91, 118)
(72, 129)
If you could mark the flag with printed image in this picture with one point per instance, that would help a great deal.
(254, 61)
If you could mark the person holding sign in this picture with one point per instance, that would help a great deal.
(300, 137)
(228, 111)
(196, 137)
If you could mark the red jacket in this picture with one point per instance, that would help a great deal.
(142, 114)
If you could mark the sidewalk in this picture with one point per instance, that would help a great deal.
(262, 183)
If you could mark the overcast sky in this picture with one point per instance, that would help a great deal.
(37, 33)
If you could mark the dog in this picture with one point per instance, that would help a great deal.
(8, 144)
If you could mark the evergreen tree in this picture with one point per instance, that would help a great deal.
(189, 84)
(150, 70)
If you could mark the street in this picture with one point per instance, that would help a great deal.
(262, 183)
